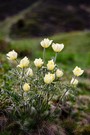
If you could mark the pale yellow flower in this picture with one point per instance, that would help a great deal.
(24, 63)
(78, 71)
(26, 87)
(49, 78)
(46, 43)
(12, 55)
(74, 81)
(29, 72)
(57, 47)
(50, 65)
(38, 62)
(59, 73)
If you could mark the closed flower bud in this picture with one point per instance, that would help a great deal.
(57, 47)
(38, 62)
(12, 55)
(50, 65)
(49, 78)
(26, 87)
(46, 43)
(78, 71)
(74, 81)
(24, 63)
(29, 72)
(59, 73)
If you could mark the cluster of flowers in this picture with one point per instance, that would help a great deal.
(50, 76)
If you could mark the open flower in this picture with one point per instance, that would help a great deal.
(26, 87)
(74, 81)
(46, 43)
(12, 55)
(38, 62)
(29, 72)
(57, 47)
(78, 71)
(49, 78)
(50, 65)
(59, 73)
(24, 63)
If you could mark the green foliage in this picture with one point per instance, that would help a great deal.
(5, 133)
(69, 125)
(83, 130)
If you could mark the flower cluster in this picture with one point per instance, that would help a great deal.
(37, 86)
(49, 77)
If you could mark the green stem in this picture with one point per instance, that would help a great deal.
(48, 95)
(22, 73)
(47, 98)
(21, 83)
(64, 94)
(55, 57)
(44, 54)
(74, 79)
(17, 61)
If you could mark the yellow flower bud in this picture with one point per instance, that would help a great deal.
(26, 87)
(12, 55)
(78, 71)
(29, 72)
(38, 62)
(49, 78)
(57, 47)
(24, 63)
(46, 43)
(74, 81)
(50, 65)
(59, 73)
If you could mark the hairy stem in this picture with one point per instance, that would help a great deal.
(55, 58)
(44, 54)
